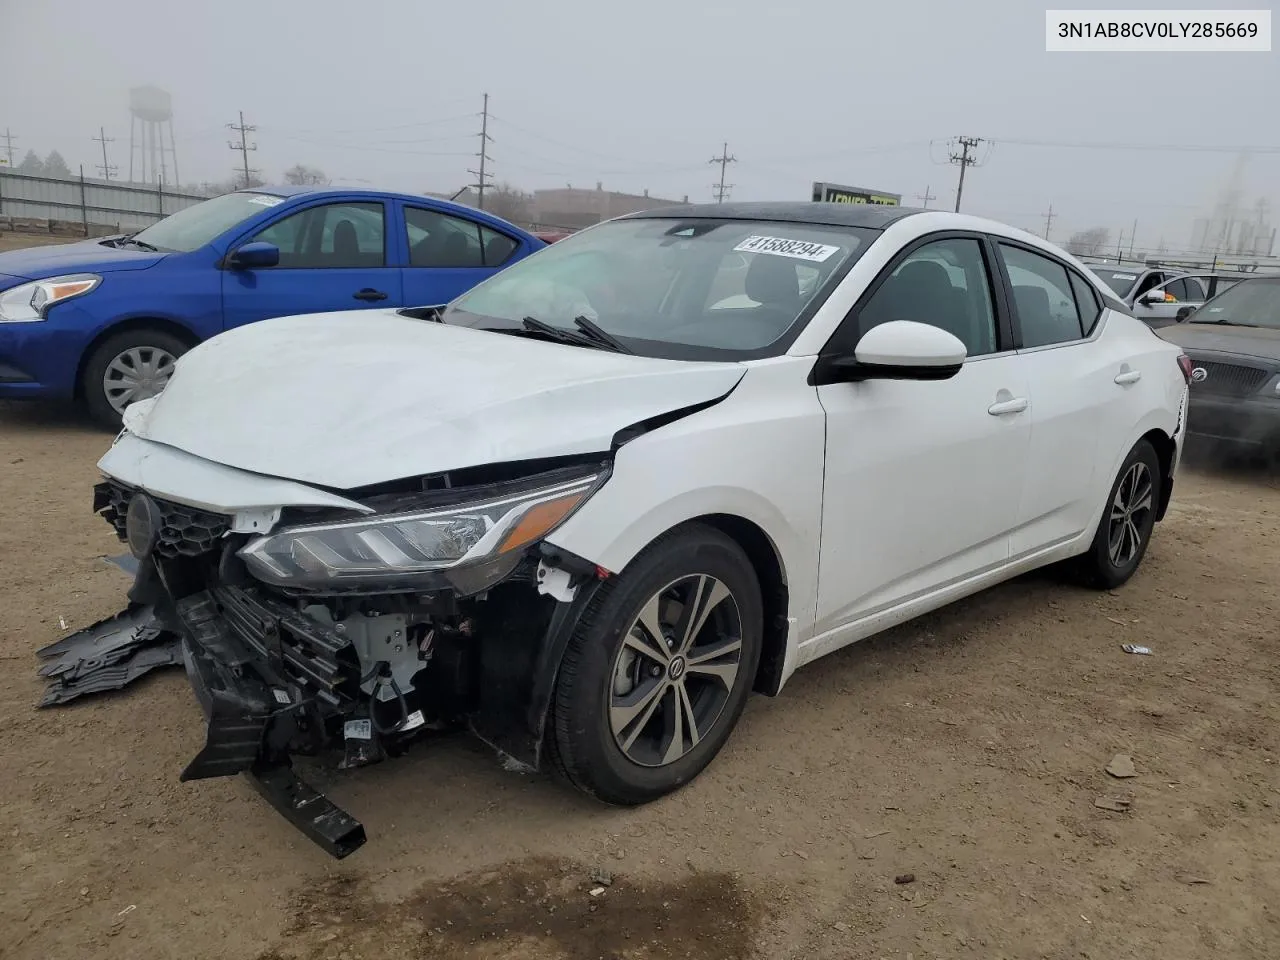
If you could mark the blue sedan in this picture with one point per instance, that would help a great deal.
(103, 321)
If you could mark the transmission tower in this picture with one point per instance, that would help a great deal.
(482, 178)
(966, 160)
(106, 169)
(1048, 221)
(8, 144)
(243, 146)
(722, 189)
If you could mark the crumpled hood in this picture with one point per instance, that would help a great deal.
(86, 256)
(1259, 342)
(345, 400)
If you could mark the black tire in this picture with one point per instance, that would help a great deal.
(95, 368)
(583, 744)
(1101, 567)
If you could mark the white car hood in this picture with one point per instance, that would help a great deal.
(345, 400)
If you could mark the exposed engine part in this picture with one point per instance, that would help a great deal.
(389, 659)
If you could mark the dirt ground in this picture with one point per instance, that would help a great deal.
(967, 749)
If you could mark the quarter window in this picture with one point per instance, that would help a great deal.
(1042, 297)
(440, 240)
(944, 284)
(331, 236)
(1087, 303)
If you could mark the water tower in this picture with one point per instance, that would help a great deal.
(151, 123)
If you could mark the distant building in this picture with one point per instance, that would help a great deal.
(574, 207)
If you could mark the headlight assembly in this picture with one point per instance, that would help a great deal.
(31, 301)
(468, 546)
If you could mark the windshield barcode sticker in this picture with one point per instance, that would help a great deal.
(265, 201)
(782, 247)
(358, 730)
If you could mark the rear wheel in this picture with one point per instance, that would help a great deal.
(125, 368)
(657, 674)
(1127, 522)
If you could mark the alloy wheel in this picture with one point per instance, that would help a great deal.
(1130, 510)
(676, 668)
(136, 374)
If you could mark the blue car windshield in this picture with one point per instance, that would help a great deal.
(194, 227)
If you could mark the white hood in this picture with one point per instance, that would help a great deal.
(345, 400)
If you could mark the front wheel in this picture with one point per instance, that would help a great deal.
(125, 368)
(1127, 522)
(659, 670)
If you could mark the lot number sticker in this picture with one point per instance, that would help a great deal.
(782, 247)
(265, 201)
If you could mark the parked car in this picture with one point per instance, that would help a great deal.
(1234, 345)
(1156, 295)
(104, 320)
(588, 514)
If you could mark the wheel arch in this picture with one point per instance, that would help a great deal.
(171, 327)
(1166, 450)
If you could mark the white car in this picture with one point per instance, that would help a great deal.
(590, 508)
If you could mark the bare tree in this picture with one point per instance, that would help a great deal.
(1085, 243)
(301, 175)
(508, 202)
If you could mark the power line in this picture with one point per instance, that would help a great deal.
(8, 144)
(243, 146)
(926, 196)
(482, 178)
(722, 189)
(966, 160)
(1161, 147)
(102, 138)
(1048, 221)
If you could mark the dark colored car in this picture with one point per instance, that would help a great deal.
(1234, 344)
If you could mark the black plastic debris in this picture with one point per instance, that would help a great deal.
(107, 656)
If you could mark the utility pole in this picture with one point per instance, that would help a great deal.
(102, 138)
(1132, 233)
(243, 146)
(483, 178)
(966, 160)
(1048, 221)
(722, 189)
(8, 144)
(926, 197)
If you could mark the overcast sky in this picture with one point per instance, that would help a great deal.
(642, 95)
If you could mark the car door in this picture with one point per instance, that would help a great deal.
(922, 479)
(1075, 385)
(447, 255)
(1159, 306)
(333, 256)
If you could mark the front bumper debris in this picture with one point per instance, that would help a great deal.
(108, 655)
(331, 828)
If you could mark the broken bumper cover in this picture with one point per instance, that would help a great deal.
(243, 719)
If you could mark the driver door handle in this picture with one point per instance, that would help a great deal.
(368, 293)
(1016, 405)
(1128, 376)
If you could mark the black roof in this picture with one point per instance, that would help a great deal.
(874, 215)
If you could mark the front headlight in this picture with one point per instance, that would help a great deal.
(1272, 387)
(470, 546)
(32, 301)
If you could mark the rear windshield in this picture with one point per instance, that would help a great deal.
(1121, 281)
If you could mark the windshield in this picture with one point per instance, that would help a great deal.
(1249, 303)
(192, 228)
(1118, 280)
(680, 289)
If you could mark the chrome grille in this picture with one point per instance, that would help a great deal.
(1227, 379)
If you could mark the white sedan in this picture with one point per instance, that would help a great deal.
(611, 491)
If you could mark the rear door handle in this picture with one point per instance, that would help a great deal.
(368, 293)
(1016, 405)
(1129, 376)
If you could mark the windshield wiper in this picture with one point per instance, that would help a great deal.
(600, 335)
(138, 243)
(1228, 322)
(534, 325)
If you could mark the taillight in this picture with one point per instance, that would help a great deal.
(1185, 364)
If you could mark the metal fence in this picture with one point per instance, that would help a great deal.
(96, 205)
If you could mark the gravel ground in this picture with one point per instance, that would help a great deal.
(967, 749)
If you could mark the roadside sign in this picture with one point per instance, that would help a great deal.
(836, 193)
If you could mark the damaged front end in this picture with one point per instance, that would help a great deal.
(334, 630)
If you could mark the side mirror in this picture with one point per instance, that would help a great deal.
(254, 255)
(1183, 313)
(1152, 298)
(897, 350)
